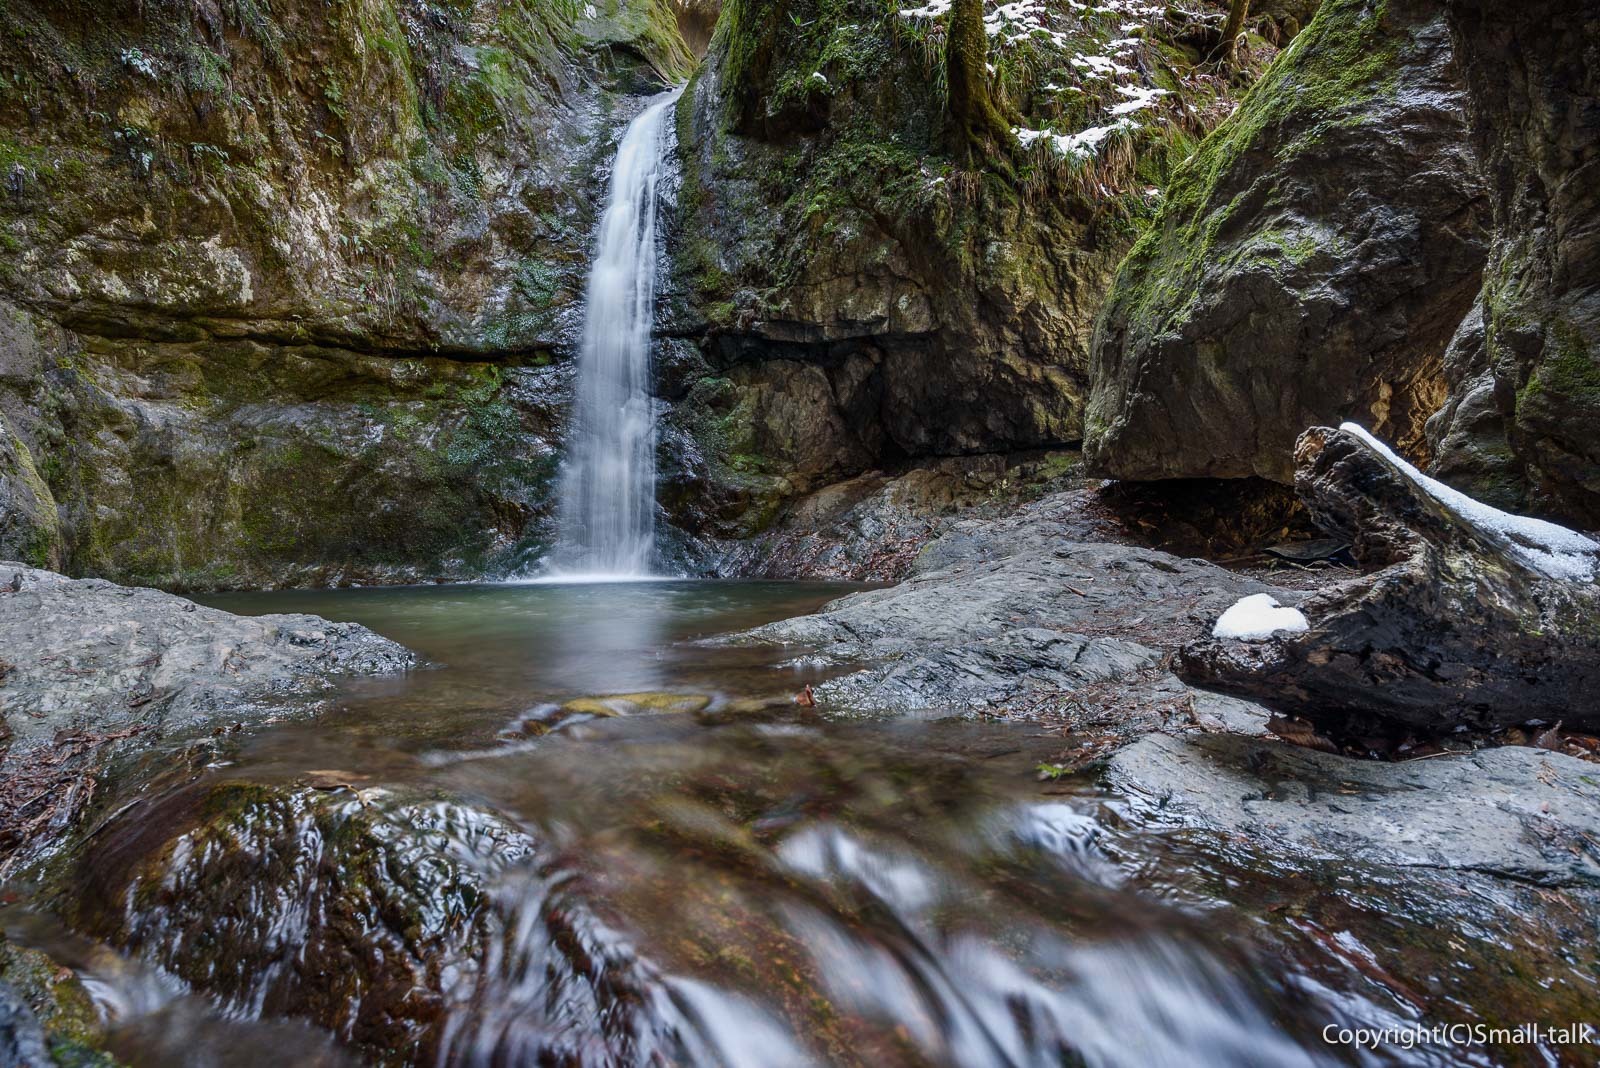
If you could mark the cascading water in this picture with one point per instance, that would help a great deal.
(607, 502)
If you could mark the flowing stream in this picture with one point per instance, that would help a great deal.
(498, 860)
(607, 505)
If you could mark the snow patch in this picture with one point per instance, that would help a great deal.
(1259, 616)
(1138, 99)
(1551, 550)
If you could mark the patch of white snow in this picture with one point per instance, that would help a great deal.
(1257, 617)
(1552, 550)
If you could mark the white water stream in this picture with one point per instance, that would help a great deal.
(607, 502)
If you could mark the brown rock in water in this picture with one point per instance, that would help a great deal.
(1459, 628)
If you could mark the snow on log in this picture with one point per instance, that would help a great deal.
(1466, 617)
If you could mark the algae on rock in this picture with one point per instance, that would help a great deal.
(286, 291)
(859, 296)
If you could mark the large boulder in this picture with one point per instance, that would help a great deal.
(1521, 428)
(1471, 618)
(1309, 265)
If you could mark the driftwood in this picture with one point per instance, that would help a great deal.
(1459, 623)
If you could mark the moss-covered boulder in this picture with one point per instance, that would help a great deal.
(1309, 264)
(286, 290)
(365, 913)
(1523, 425)
(857, 295)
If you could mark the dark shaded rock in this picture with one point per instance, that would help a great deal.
(870, 528)
(1309, 264)
(1525, 391)
(1534, 816)
(1209, 517)
(1464, 626)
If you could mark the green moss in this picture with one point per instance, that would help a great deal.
(1568, 370)
(63, 1007)
(1340, 61)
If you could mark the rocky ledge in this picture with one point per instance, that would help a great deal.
(88, 665)
(1017, 618)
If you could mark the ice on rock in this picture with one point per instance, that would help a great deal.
(1257, 617)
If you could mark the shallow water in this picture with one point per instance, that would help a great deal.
(744, 883)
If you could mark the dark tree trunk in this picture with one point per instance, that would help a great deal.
(1461, 629)
(977, 129)
(1238, 11)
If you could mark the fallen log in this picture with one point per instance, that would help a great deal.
(1467, 618)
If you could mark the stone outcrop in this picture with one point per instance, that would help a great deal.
(1532, 811)
(1309, 264)
(1520, 429)
(86, 666)
(998, 613)
(848, 298)
(1470, 621)
(286, 291)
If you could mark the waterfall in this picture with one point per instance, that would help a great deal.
(607, 502)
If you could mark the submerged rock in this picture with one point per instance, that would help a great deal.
(1475, 619)
(1309, 264)
(365, 913)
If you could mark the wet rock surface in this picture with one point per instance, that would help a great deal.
(1309, 264)
(1462, 625)
(91, 666)
(367, 912)
(1513, 812)
(996, 608)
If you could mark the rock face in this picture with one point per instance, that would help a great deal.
(860, 300)
(1468, 624)
(1309, 264)
(88, 664)
(1525, 369)
(285, 293)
